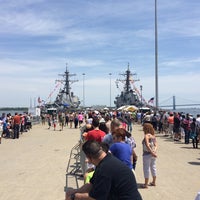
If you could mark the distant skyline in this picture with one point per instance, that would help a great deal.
(96, 38)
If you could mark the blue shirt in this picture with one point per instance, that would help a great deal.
(123, 152)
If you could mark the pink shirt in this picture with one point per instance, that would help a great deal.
(80, 117)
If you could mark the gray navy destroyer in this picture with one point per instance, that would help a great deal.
(129, 95)
(65, 98)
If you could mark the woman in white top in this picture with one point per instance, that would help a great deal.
(149, 154)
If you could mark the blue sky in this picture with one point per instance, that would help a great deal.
(38, 38)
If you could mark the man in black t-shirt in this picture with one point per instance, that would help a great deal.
(112, 179)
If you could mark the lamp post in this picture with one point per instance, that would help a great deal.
(156, 56)
(83, 89)
(141, 94)
(110, 88)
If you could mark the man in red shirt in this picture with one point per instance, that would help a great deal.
(16, 124)
(95, 134)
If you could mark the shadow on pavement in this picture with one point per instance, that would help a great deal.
(194, 163)
(187, 147)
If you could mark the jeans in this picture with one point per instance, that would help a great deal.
(130, 127)
(16, 131)
(187, 136)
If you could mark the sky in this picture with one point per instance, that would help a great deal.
(38, 38)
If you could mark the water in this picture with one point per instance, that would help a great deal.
(192, 111)
(34, 119)
(12, 111)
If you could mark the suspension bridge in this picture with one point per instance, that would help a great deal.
(171, 103)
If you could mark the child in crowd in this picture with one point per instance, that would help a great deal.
(54, 123)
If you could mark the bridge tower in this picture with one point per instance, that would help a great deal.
(174, 103)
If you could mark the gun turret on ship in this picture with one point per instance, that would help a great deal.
(129, 94)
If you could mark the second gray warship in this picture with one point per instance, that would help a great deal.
(129, 95)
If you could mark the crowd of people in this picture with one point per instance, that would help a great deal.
(107, 138)
(172, 124)
(11, 126)
(175, 125)
(114, 130)
(61, 119)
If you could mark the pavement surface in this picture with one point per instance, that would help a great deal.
(33, 167)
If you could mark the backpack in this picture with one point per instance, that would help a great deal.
(154, 119)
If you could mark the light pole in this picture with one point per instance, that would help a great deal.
(156, 56)
(110, 88)
(141, 94)
(83, 89)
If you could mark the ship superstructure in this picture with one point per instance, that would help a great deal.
(129, 95)
(65, 98)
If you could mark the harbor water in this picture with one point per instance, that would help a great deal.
(191, 111)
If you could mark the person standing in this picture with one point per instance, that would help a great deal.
(186, 127)
(129, 120)
(43, 118)
(71, 119)
(66, 119)
(49, 120)
(112, 179)
(61, 120)
(80, 119)
(149, 154)
(54, 121)
(96, 133)
(165, 123)
(131, 141)
(194, 133)
(120, 149)
(177, 127)
(6, 127)
(114, 125)
(75, 120)
(108, 122)
(198, 120)
(171, 124)
(16, 123)
(154, 121)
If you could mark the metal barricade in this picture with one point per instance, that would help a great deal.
(76, 167)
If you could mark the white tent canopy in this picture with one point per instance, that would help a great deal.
(130, 108)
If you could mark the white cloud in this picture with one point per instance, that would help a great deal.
(39, 37)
